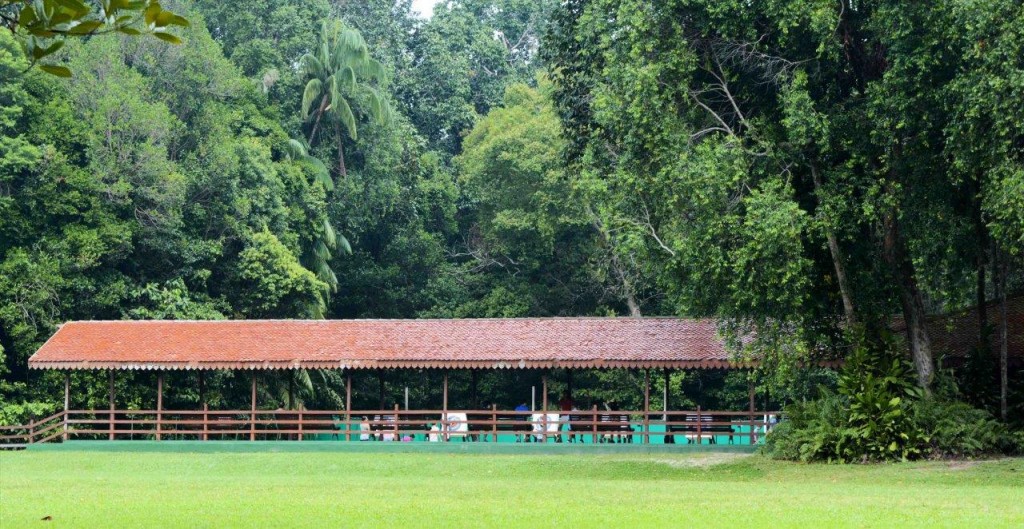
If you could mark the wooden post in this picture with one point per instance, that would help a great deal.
(291, 389)
(67, 401)
(647, 406)
(544, 408)
(475, 400)
(202, 400)
(444, 408)
(699, 421)
(348, 406)
(753, 438)
(593, 424)
(398, 432)
(159, 404)
(110, 415)
(494, 422)
(664, 400)
(252, 410)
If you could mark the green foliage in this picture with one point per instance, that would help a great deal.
(694, 158)
(878, 414)
(787, 165)
(171, 301)
(342, 80)
(878, 388)
(462, 60)
(271, 281)
(868, 418)
(42, 26)
(956, 429)
(24, 413)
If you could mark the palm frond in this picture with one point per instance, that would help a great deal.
(330, 238)
(343, 112)
(321, 174)
(310, 95)
(343, 244)
(295, 149)
(321, 251)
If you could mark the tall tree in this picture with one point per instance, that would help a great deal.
(787, 165)
(344, 82)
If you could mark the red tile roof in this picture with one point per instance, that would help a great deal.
(365, 344)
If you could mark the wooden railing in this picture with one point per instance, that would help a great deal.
(40, 431)
(592, 425)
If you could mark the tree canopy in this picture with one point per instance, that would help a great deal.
(808, 173)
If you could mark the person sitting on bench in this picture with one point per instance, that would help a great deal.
(566, 405)
(520, 428)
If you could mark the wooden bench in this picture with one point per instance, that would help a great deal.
(382, 425)
(699, 427)
(615, 428)
(480, 423)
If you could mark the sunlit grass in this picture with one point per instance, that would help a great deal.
(338, 489)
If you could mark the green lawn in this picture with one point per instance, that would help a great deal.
(426, 490)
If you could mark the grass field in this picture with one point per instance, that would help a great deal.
(427, 490)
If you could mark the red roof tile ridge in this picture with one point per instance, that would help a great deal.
(522, 318)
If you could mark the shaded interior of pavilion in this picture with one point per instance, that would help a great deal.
(339, 404)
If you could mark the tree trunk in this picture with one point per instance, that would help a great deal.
(838, 262)
(319, 114)
(1001, 273)
(981, 239)
(895, 254)
(291, 390)
(341, 151)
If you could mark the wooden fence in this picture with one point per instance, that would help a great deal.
(685, 427)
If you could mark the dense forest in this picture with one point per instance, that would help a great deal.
(804, 171)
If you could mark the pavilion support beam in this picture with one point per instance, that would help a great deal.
(568, 382)
(159, 404)
(475, 404)
(202, 401)
(544, 393)
(110, 416)
(291, 389)
(664, 397)
(647, 406)
(252, 410)
(348, 406)
(669, 438)
(544, 407)
(444, 407)
(67, 401)
(750, 387)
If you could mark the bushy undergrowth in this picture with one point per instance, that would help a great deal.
(878, 414)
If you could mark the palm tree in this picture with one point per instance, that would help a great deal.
(343, 79)
(317, 255)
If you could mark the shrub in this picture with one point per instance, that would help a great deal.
(810, 431)
(878, 414)
(24, 413)
(957, 429)
(867, 419)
